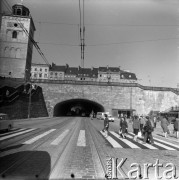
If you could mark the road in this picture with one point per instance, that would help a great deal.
(75, 147)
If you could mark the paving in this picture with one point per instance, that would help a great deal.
(77, 149)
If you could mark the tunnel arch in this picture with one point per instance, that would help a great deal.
(77, 107)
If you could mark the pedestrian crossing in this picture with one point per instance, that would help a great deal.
(113, 139)
(128, 142)
(14, 133)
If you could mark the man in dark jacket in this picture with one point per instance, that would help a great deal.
(106, 124)
(148, 129)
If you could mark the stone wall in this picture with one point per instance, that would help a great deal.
(111, 97)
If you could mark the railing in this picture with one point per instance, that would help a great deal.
(150, 88)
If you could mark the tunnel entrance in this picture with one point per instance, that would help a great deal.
(77, 107)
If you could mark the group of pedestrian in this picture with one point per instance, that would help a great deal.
(143, 126)
(165, 126)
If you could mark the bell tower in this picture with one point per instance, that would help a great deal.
(16, 47)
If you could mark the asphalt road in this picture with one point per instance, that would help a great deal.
(75, 147)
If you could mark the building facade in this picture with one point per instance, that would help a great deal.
(39, 71)
(16, 47)
(101, 74)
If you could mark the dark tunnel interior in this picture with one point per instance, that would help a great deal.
(77, 107)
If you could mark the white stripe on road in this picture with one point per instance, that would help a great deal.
(16, 134)
(60, 138)
(161, 145)
(114, 143)
(141, 142)
(132, 145)
(30, 141)
(166, 147)
(174, 145)
(12, 131)
(81, 138)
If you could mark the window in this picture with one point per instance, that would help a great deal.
(45, 70)
(51, 73)
(100, 75)
(18, 11)
(18, 53)
(14, 34)
(6, 52)
(35, 69)
(122, 76)
(40, 69)
(129, 76)
(35, 75)
(55, 74)
(40, 75)
(45, 75)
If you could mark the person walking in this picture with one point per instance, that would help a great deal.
(176, 127)
(123, 127)
(142, 124)
(136, 127)
(106, 125)
(164, 126)
(148, 129)
(155, 121)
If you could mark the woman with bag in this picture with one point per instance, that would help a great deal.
(123, 127)
(136, 127)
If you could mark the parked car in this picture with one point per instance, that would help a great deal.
(5, 123)
(111, 118)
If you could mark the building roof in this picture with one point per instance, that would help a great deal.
(71, 71)
(109, 69)
(128, 75)
(40, 65)
(58, 68)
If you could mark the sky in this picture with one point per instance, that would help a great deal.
(138, 35)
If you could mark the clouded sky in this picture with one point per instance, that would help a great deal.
(137, 35)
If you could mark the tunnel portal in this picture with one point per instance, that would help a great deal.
(77, 107)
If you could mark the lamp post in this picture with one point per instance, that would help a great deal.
(108, 76)
(29, 105)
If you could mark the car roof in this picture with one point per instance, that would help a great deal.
(2, 114)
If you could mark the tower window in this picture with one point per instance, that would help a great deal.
(19, 12)
(14, 34)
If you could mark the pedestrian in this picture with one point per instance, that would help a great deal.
(123, 127)
(136, 127)
(148, 129)
(164, 126)
(155, 121)
(106, 125)
(142, 123)
(176, 127)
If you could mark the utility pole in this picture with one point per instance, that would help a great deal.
(29, 106)
(82, 34)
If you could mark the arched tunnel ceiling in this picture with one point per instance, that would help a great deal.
(77, 107)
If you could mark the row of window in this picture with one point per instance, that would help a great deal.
(12, 52)
(40, 75)
(36, 69)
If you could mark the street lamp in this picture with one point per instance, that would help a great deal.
(108, 76)
(30, 93)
